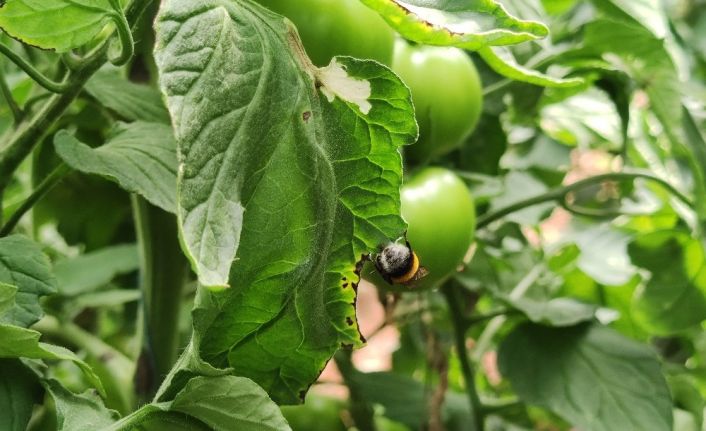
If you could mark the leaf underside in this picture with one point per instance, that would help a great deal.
(282, 187)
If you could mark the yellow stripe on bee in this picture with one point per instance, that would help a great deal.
(409, 274)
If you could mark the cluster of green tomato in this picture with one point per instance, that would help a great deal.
(447, 95)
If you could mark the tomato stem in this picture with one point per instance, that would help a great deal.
(361, 410)
(459, 322)
(560, 194)
(163, 274)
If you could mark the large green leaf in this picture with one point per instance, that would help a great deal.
(295, 168)
(91, 271)
(16, 342)
(58, 24)
(131, 101)
(23, 265)
(672, 298)
(79, 412)
(140, 157)
(19, 391)
(590, 375)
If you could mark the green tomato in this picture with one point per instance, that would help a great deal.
(441, 219)
(447, 95)
(337, 27)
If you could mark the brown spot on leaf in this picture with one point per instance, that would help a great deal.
(349, 321)
(306, 115)
(345, 285)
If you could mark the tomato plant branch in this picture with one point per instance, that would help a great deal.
(36, 75)
(163, 272)
(28, 134)
(42, 189)
(361, 410)
(560, 194)
(459, 321)
(17, 113)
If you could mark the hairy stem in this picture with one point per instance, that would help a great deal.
(561, 193)
(37, 76)
(42, 189)
(361, 410)
(459, 324)
(163, 274)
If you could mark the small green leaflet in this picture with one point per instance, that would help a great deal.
(57, 24)
(289, 175)
(23, 265)
(140, 157)
(79, 412)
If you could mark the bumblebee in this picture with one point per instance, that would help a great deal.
(399, 264)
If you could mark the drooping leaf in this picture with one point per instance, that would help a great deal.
(672, 298)
(91, 271)
(79, 412)
(501, 60)
(229, 402)
(58, 24)
(590, 375)
(7, 297)
(469, 25)
(296, 169)
(16, 342)
(131, 101)
(23, 265)
(139, 157)
(483, 26)
(19, 391)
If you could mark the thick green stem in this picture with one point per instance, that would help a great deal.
(459, 324)
(30, 133)
(164, 271)
(114, 369)
(361, 410)
(42, 189)
(561, 193)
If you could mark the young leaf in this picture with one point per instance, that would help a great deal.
(16, 342)
(19, 391)
(131, 101)
(91, 271)
(672, 298)
(469, 25)
(554, 312)
(22, 264)
(140, 157)
(7, 297)
(590, 375)
(229, 402)
(295, 168)
(58, 24)
(82, 412)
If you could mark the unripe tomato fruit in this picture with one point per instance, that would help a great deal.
(441, 219)
(447, 95)
(337, 27)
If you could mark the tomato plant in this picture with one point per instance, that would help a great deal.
(194, 193)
